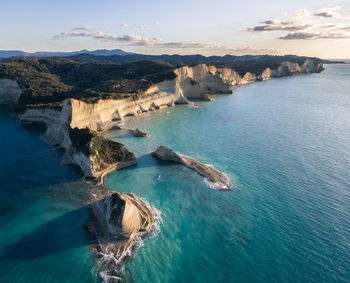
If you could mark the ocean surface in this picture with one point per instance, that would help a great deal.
(284, 143)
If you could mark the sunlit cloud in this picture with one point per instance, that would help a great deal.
(276, 25)
(326, 23)
(302, 13)
(313, 36)
(84, 28)
(328, 12)
(124, 25)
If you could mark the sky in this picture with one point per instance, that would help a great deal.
(303, 27)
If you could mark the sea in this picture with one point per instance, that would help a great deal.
(285, 145)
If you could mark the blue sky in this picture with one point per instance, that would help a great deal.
(314, 27)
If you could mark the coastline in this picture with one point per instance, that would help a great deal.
(56, 123)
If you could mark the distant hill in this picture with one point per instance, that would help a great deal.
(242, 64)
(99, 52)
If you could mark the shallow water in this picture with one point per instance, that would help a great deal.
(285, 144)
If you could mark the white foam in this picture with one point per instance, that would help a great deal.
(111, 263)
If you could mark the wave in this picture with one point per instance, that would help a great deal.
(110, 265)
(216, 185)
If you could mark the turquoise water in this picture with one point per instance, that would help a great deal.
(285, 144)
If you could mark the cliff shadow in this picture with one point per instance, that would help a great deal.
(60, 234)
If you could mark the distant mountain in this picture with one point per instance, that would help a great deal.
(241, 64)
(99, 52)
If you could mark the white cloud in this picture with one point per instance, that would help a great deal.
(99, 35)
(271, 22)
(326, 23)
(84, 28)
(124, 25)
(329, 12)
(313, 36)
(143, 26)
(302, 13)
(276, 25)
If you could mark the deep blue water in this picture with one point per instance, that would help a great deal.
(42, 211)
(285, 144)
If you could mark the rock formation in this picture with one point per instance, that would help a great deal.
(213, 175)
(138, 133)
(9, 91)
(119, 222)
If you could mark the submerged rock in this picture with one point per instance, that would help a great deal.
(213, 175)
(138, 133)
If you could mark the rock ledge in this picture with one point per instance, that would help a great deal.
(213, 175)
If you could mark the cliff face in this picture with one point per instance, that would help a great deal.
(94, 154)
(9, 91)
(120, 222)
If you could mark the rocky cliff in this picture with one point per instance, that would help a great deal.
(119, 223)
(9, 91)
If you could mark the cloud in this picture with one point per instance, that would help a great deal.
(302, 13)
(303, 25)
(124, 25)
(313, 36)
(276, 25)
(271, 22)
(157, 42)
(345, 28)
(99, 35)
(328, 12)
(143, 26)
(215, 49)
(84, 28)
(183, 44)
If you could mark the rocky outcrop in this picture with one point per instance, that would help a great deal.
(290, 69)
(119, 222)
(94, 154)
(213, 175)
(9, 91)
(138, 133)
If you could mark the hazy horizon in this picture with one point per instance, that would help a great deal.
(316, 28)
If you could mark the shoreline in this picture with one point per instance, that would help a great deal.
(96, 118)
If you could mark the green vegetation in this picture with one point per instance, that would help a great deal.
(104, 150)
(255, 64)
(47, 82)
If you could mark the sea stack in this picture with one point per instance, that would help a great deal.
(119, 221)
(166, 154)
(138, 133)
